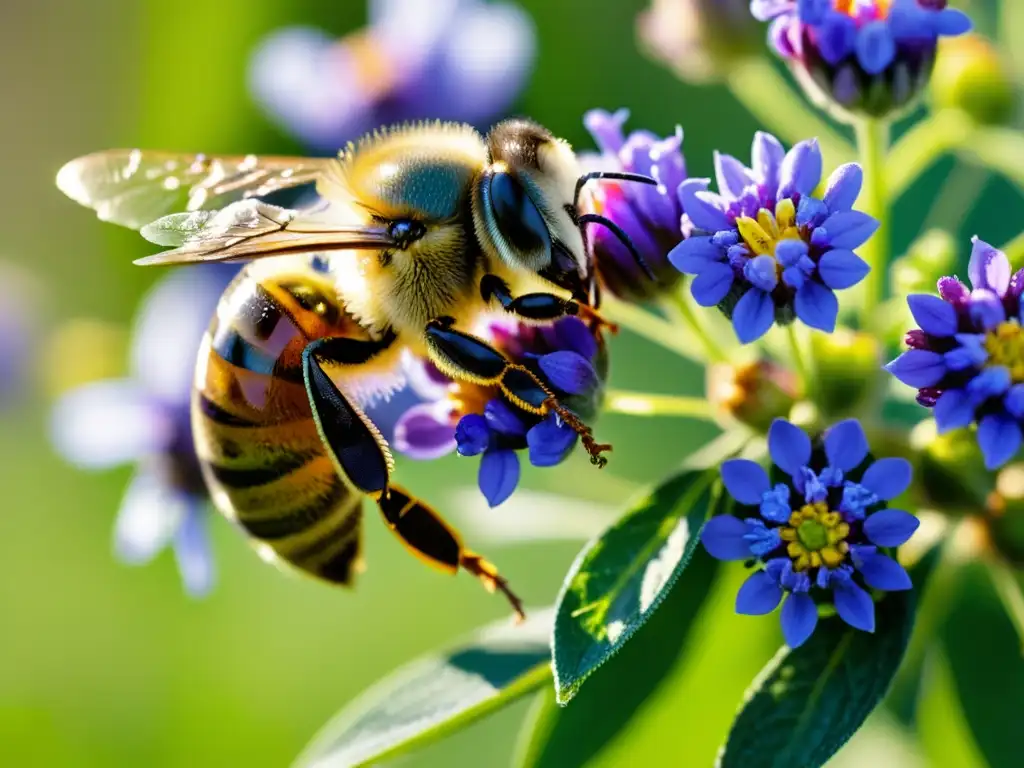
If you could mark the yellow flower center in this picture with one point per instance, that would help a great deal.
(815, 536)
(1005, 346)
(762, 234)
(851, 7)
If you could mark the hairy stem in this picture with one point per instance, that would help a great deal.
(873, 145)
(648, 404)
(766, 94)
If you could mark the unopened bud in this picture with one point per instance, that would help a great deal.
(846, 371)
(971, 76)
(950, 472)
(754, 393)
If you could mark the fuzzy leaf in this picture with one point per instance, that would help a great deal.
(436, 695)
(621, 577)
(808, 702)
(985, 658)
(605, 707)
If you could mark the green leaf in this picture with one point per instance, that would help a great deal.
(809, 701)
(615, 693)
(621, 577)
(436, 695)
(984, 656)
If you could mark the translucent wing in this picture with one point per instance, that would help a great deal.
(251, 229)
(133, 187)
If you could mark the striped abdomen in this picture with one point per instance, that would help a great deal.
(262, 457)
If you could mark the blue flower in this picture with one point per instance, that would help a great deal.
(764, 249)
(966, 359)
(650, 215)
(477, 421)
(868, 56)
(145, 420)
(817, 535)
(461, 60)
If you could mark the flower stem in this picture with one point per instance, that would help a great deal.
(1014, 251)
(957, 197)
(873, 144)
(922, 145)
(1001, 150)
(678, 308)
(650, 327)
(1011, 33)
(799, 362)
(1009, 589)
(765, 93)
(647, 404)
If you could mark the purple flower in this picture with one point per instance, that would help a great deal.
(650, 215)
(763, 249)
(461, 60)
(966, 358)
(868, 56)
(478, 421)
(144, 419)
(818, 533)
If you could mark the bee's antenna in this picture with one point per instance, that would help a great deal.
(620, 233)
(616, 175)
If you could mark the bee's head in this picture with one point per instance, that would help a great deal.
(524, 207)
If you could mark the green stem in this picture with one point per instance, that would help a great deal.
(678, 308)
(1009, 589)
(799, 361)
(873, 144)
(766, 94)
(1014, 251)
(647, 404)
(1011, 34)
(1001, 150)
(922, 145)
(650, 327)
(956, 199)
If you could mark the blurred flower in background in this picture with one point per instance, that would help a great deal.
(144, 419)
(18, 326)
(463, 60)
(699, 39)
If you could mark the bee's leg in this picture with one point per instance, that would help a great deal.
(538, 306)
(463, 356)
(354, 442)
(431, 539)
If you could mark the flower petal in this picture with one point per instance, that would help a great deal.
(918, 368)
(704, 214)
(989, 268)
(854, 606)
(150, 515)
(846, 230)
(799, 618)
(843, 187)
(712, 284)
(425, 432)
(472, 435)
(760, 272)
(801, 169)
(570, 372)
(767, 154)
(817, 306)
(606, 128)
(882, 572)
(789, 446)
(693, 255)
(841, 268)
(731, 175)
(572, 334)
(875, 47)
(888, 478)
(999, 439)
(836, 36)
(933, 315)
(549, 442)
(498, 475)
(846, 445)
(722, 536)
(760, 594)
(753, 315)
(746, 480)
(501, 418)
(193, 554)
(890, 527)
(953, 410)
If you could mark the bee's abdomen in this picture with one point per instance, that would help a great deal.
(262, 457)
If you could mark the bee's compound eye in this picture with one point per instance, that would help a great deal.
(516, 216)
(406, 231)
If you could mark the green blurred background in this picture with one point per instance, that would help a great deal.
(102, 665)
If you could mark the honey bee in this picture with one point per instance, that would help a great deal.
(418, 231)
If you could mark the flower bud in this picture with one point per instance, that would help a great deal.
(753, 393)
(871, 57)
(951, 474)
(699, 39)
(971, 76)
(847, 367)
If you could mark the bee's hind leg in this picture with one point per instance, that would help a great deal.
(539, 306)
(464, 356)
(431, 539)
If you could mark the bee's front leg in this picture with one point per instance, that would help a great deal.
(537, 306)
(463, 356)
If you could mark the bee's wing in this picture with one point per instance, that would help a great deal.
(133, 187)
(251, 229)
